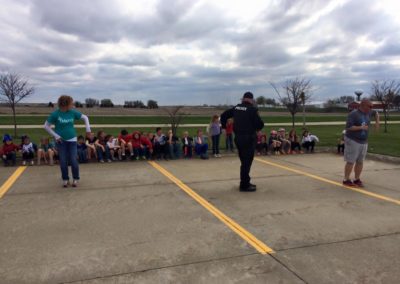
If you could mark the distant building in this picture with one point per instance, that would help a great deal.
(375, 105)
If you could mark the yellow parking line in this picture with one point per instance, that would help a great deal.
(243, 233)
(11, 180)
(356, 189)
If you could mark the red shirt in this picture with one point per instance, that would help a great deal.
(127, 138)
(261, 138)
(136, 142)
(146, 142)
(7, 149)
(229, 128)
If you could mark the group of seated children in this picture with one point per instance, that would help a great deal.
(107, 148)
(46, 151)
(281, 143)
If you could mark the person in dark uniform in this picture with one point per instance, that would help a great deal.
(246, 124)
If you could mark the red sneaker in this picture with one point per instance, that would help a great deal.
(348, 183)
(358, 183)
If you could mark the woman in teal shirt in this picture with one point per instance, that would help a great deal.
(65, 135)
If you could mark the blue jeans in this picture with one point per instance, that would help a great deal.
(67, 152)
(215, 144)
(201, 149)
(10, 157)
(82, 155)
(103, 155)
(229, 142)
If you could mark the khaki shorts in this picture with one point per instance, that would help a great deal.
(354, 151)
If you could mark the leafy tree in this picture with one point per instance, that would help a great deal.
(261, 100)
(50, 104)
(151, 104)
(91, 102)
(78, 104)
(106, 103)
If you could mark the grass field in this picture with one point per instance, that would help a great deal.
(32, 120)
(380, 143)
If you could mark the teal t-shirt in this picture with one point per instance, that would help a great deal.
(64, 123)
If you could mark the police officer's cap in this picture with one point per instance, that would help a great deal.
(248, 95)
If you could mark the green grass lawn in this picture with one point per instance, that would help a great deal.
(32, 120)
(380, 142)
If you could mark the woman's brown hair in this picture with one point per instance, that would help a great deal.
(65, 101)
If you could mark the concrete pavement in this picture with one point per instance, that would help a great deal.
(128, 223)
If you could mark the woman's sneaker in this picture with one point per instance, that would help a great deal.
(75, 183)
(348, 183)
(358, 183)
(65, 183)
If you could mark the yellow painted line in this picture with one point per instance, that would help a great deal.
(243, 233)
(11, 180)
(356, 189)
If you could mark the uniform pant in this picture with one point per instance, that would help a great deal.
(246, 145)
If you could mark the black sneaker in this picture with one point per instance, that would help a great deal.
(358, 183)
(348, 183)
(249, 188)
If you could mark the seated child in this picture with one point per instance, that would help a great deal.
(285, 143)
(147, 145)
(125, 141)
(91, 147)
(308, 141)
(201, 147)
(9, 151)
(294, 142)
(273, 142)
(262, 145)
(187, 145)
(82, 150)
(113, 146)
(173, 146)
(160, 145)
(151, 138)
(103, 152)
(28, 150)
(340, 145)
(138, 148)
(45, 152)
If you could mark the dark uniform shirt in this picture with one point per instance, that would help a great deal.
(246, 119)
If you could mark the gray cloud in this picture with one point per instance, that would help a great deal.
(197, 51)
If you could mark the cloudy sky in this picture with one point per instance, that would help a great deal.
(192, 52)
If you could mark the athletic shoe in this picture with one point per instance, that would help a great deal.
(249, 188)
(348, 183)
(101, 161)
(32, 163)
(358, 183)
(215, 156)
(23, 163)
(75, 183)
(109, 161)
(65, 183)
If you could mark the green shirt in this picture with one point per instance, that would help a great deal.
(64, 123)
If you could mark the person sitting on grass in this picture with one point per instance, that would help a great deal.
(173, 145)
(45, 152)
(28, 150)
(125, 141)
(273, 143)
(103, 152)
(82, 150)
(262, 145)
(308, 141)
(160, 145)
(201, 147)
(187, 145)
(294, 142)
(285, 143)
(115, 149)
(147, 145)
(9, 151)
(91, 146)
(340, 145)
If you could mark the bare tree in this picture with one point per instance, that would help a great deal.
(385, 92)
(13, 89)
(296, 92)
(175, 117)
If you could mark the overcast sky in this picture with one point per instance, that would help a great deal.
(192, 52)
